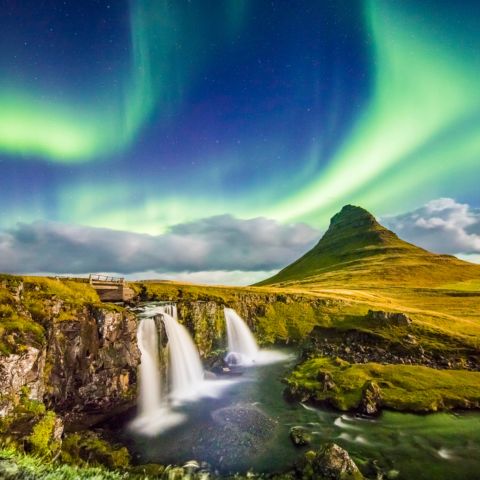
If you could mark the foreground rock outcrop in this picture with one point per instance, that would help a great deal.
(330, 462)
(65, 350)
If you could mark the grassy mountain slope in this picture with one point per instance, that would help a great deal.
(358, 251)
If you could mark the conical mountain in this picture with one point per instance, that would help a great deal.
(357, 251)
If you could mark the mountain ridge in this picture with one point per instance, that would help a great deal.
(358, 249)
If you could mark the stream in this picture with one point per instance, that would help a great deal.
(231, 433)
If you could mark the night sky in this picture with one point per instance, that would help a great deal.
(147, 115)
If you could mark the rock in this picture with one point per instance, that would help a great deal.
(334, 462)
(392, 474)
(17, 371)
(326, 380)
(300, 436)
(330, 462)
(410, 339)
(58, 428)
(371, 398)
(93, 362)
(389, 318)
(237, 434)
(373, 470)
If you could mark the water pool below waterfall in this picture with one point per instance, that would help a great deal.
(231, 434)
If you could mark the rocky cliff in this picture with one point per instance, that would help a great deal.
(62, 348)
(273, 317)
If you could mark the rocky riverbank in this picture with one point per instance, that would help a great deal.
(407, 346)
(367, 388)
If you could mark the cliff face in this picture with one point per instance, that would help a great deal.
(92, 363)
(273, 318)
(78, 358)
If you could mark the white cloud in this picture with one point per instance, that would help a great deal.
(443, 226)
(230, 249)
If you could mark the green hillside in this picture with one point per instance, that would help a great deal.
(357, 251)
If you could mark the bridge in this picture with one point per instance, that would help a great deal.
(111, 289)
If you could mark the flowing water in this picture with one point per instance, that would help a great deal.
(242, 347)
(441, 446)
(246, 425)
(150, 394)
(185, 368)
(158, 411)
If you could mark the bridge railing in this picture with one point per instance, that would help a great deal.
(93, 278)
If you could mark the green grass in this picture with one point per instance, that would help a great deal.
(403, 387)
(69, 291)
(16, 466)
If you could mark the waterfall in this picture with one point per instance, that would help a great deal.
(242, 347)
(186, 371)
(156, 412)
(150, 395)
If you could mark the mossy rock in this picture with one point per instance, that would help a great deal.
(42, 441)
(88, 448)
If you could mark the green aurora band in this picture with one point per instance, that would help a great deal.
(417, 138)
(420, 124)
(33, 125)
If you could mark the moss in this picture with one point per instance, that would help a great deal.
(17, 330)
(88, 448)
(41, 441)
(403, 387)
(110, 307)
(289, 321)
(23, 322)
(28, 405)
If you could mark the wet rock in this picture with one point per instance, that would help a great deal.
(373, 470)
(238, 433)
(300, 436)
(330, 462)
(370, 403)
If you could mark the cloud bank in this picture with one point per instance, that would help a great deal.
(219, 249)
(442, 226)
(215, 244)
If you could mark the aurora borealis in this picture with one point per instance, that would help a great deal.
(142, 115)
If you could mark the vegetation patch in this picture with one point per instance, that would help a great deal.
(18, 466)
(402, 387)
(87, 448)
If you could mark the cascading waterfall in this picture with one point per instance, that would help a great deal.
(186, 370)
(242, 347)
(150, 395)
(154, 414)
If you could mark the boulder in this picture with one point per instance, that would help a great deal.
(389, 318)
(370, 403)
(330, 462)
(300, 436)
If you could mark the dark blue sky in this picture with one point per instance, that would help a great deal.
(139, 115)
